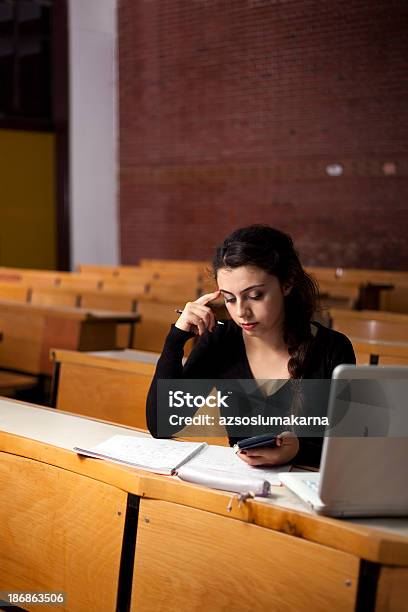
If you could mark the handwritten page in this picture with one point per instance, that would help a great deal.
(160, 456)
(224, 459)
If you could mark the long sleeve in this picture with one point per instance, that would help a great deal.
(343, 353)
(220, 355)
(199, 365)
(337, 350)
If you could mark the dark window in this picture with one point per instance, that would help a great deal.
(25, 59)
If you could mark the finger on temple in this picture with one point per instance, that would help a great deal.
(208, 297)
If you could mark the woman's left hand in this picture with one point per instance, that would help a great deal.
(287, 447)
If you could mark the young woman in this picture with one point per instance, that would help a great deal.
(270, 337)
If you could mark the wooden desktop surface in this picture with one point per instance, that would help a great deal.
(120, 360)
(68, 312)
(128, 355)
(30, 331)
(102, 387)
(182, 524)
(113, 385)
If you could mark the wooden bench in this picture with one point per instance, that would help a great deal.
(166, 291)
(116, 272)
(395, 300)
(393, 277)
(106, 299)
(29, 332)
(60, 531)
(29, 276)
(373, 352)
(78, 282)
(11, 382)
(175, 539)
(118, 295)
(355, 275)
(106, 270)
(371, 325)
(119, 300)
(154, 325)
(372, 283)
(14, 291)
(202, 564)
(175, 264)
(177, 268)
(136, 285)
(339, 295)
(54, 296)
(111, 386)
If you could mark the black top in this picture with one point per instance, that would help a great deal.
(222, 355)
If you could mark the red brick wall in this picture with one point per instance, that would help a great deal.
(230, 111)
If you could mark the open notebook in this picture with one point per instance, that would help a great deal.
(160, 456)
(213, 466)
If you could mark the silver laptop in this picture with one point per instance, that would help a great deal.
(364, 474)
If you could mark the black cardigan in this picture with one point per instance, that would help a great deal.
(222, 355)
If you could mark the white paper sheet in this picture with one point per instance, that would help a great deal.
(161, 456)
(224, 459)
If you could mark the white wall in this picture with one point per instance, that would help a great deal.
(93, 131)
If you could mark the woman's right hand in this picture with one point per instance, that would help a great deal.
(197, 317)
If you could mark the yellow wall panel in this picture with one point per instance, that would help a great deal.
(27, 199)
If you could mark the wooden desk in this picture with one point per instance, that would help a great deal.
(15, 291)
(156, 319)
(368, 283)
(81, 525)
(370, 295)
(371, 325)
(396, 300)
(10, 382)
(105, 387)
(128, 355)
(30, 331)
(344, 294)
(105, 270)
(113, 385)
(60, 530)
(356, 275)
(376, 352)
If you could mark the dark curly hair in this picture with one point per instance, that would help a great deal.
(272, 251)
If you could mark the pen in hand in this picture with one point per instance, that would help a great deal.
(179, 311)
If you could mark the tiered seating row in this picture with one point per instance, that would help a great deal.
(156, 288)
(36, 314)
(121, 290)
(109, 535)
(377, 337)
(365, 289)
